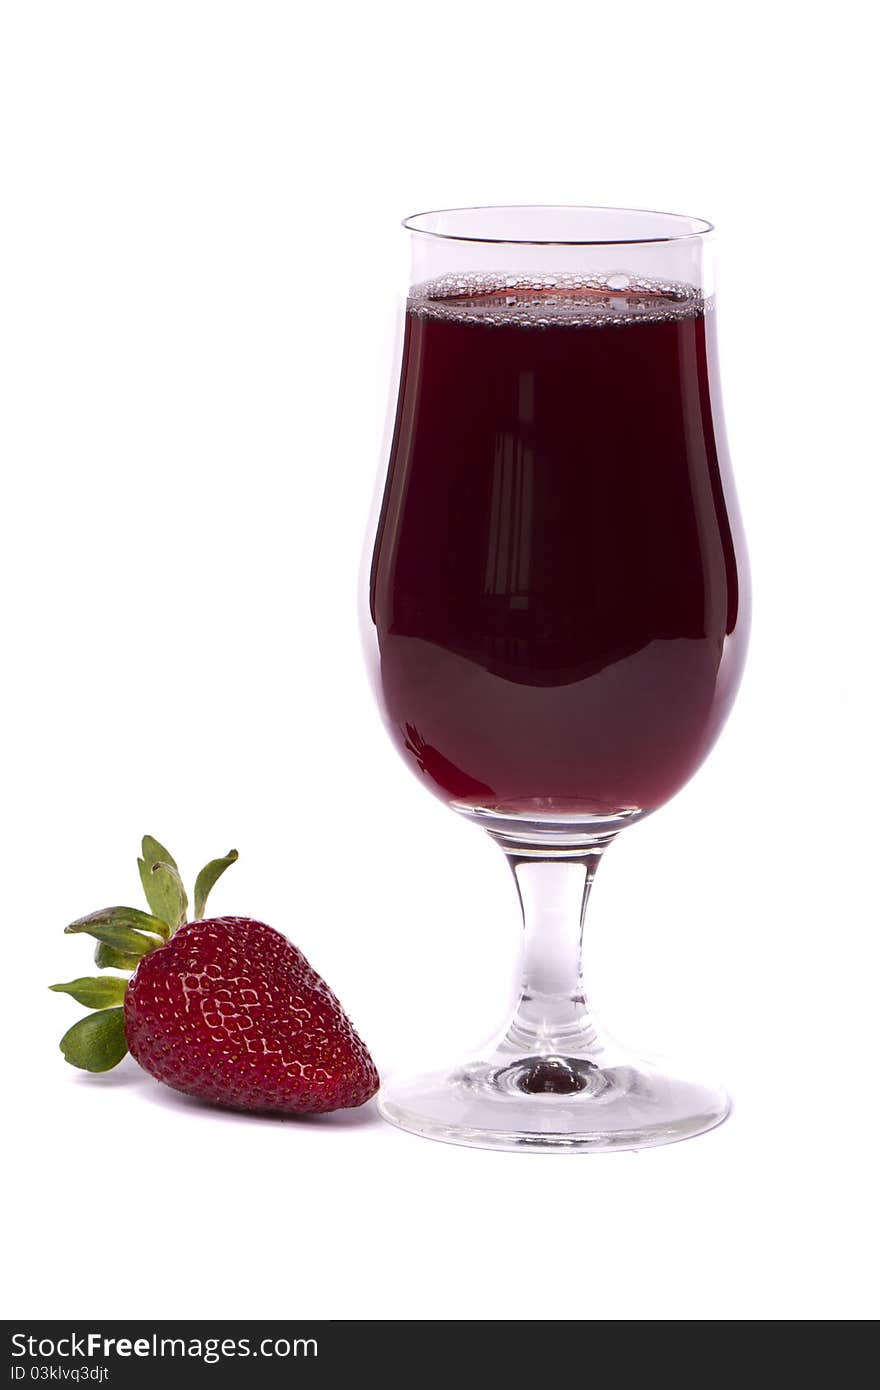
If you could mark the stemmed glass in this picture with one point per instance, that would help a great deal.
(557, 612)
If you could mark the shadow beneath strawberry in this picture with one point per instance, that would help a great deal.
(129, 1074)
(359, 1117)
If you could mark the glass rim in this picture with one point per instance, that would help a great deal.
(694, 228)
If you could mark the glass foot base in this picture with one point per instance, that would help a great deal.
(554, 1104)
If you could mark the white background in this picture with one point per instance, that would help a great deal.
(200, 264)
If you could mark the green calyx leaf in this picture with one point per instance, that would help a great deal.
(107, 957)
(208, 877)
(95, 991)
(162, 883)
(154, 853)
(122, 929)
(164, 891)
(96, 1042)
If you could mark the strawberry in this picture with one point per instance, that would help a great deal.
(224, 1008)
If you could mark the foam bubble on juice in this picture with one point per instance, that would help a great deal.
(535, 301)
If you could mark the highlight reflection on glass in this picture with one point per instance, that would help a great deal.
(557, 622)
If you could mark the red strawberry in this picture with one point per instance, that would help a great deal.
(231, 1012)
(224, 1008)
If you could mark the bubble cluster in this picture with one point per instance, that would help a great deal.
(545, 301)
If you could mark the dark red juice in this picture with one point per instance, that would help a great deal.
(559, 619)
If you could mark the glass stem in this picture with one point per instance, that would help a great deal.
(553, 1015)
